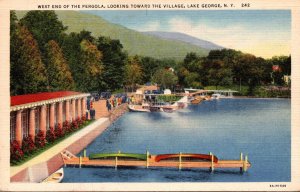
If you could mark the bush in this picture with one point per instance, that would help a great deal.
(79, 121)
(83, 118)
(50, 136)
(75, 125)
(67, 127)
(16, 153)
(59, 132)
(40, 140)
(28, 145)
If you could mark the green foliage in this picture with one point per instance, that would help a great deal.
(192, 80)
(59, 75)
(166, 78)
(133, 72)
(93, 68)
(114, 59)
(269, 93)
(28, 73)
(168, 98)
(149, 66)
(44, 26)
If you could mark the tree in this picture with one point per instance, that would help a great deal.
(58, 72)
(133, 72)
(28, 72)
(192, 80)
(91, 79)
(218, 74)
(166, 78)
(13, 59)
(149, 66)
(74, 55)
(44, 26)
(113, 61)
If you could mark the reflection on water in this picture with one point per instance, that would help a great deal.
(257, 127)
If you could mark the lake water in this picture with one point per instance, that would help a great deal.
(260, 128)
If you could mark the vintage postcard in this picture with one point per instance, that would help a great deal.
(150, 95)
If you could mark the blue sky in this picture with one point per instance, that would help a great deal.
(261, 32)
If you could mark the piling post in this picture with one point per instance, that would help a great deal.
(241, 159)
(179, 167)
(116, 163)
(212, 162)
(245, 164)
(147, 159)
(84, 153)
(80, 161)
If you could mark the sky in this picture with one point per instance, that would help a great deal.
(264, 33)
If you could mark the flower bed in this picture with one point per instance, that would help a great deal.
(43, 142)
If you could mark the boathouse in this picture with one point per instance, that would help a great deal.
(32, 113)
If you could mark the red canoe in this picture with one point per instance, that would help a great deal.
(190, 157)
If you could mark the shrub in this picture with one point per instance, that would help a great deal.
(59, 132)
(67, 127)
(74, 125)
(28, 145)
(40, 140)
(16, 153)
(50, 136)
(79, 121)
(83, 118)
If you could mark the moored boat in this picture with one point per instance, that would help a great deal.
(125, 156)
(185, 157)
(139, 108)
(196, 100)
(55, 177)
(215, 96)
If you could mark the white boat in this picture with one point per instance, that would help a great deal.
(139, 108)
(55, 177)
(216, 96)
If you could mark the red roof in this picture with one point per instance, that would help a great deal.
(30, 98)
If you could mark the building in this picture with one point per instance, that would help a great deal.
(32, 113)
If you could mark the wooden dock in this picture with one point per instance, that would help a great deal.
(72, 160)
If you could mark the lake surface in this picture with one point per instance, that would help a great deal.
(260, 128)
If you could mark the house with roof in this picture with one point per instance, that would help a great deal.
(32, 113)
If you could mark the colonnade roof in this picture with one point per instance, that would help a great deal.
(36, 99)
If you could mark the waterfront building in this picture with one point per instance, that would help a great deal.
(32, 113)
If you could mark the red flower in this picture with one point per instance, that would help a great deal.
(59, 130)
(83, 118)
(16, 152)
(50, 136)
(67, 127)
(40, 140)
(28, 145)
(74, 125)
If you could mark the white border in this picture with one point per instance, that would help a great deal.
(5, 184)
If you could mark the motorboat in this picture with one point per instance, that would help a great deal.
(55, 177)
(216, 96)
(139, 108)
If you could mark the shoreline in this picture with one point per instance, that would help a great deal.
(253, 97)
(49, 161)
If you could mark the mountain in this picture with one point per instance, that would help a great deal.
(184, 38)
(134, 42)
